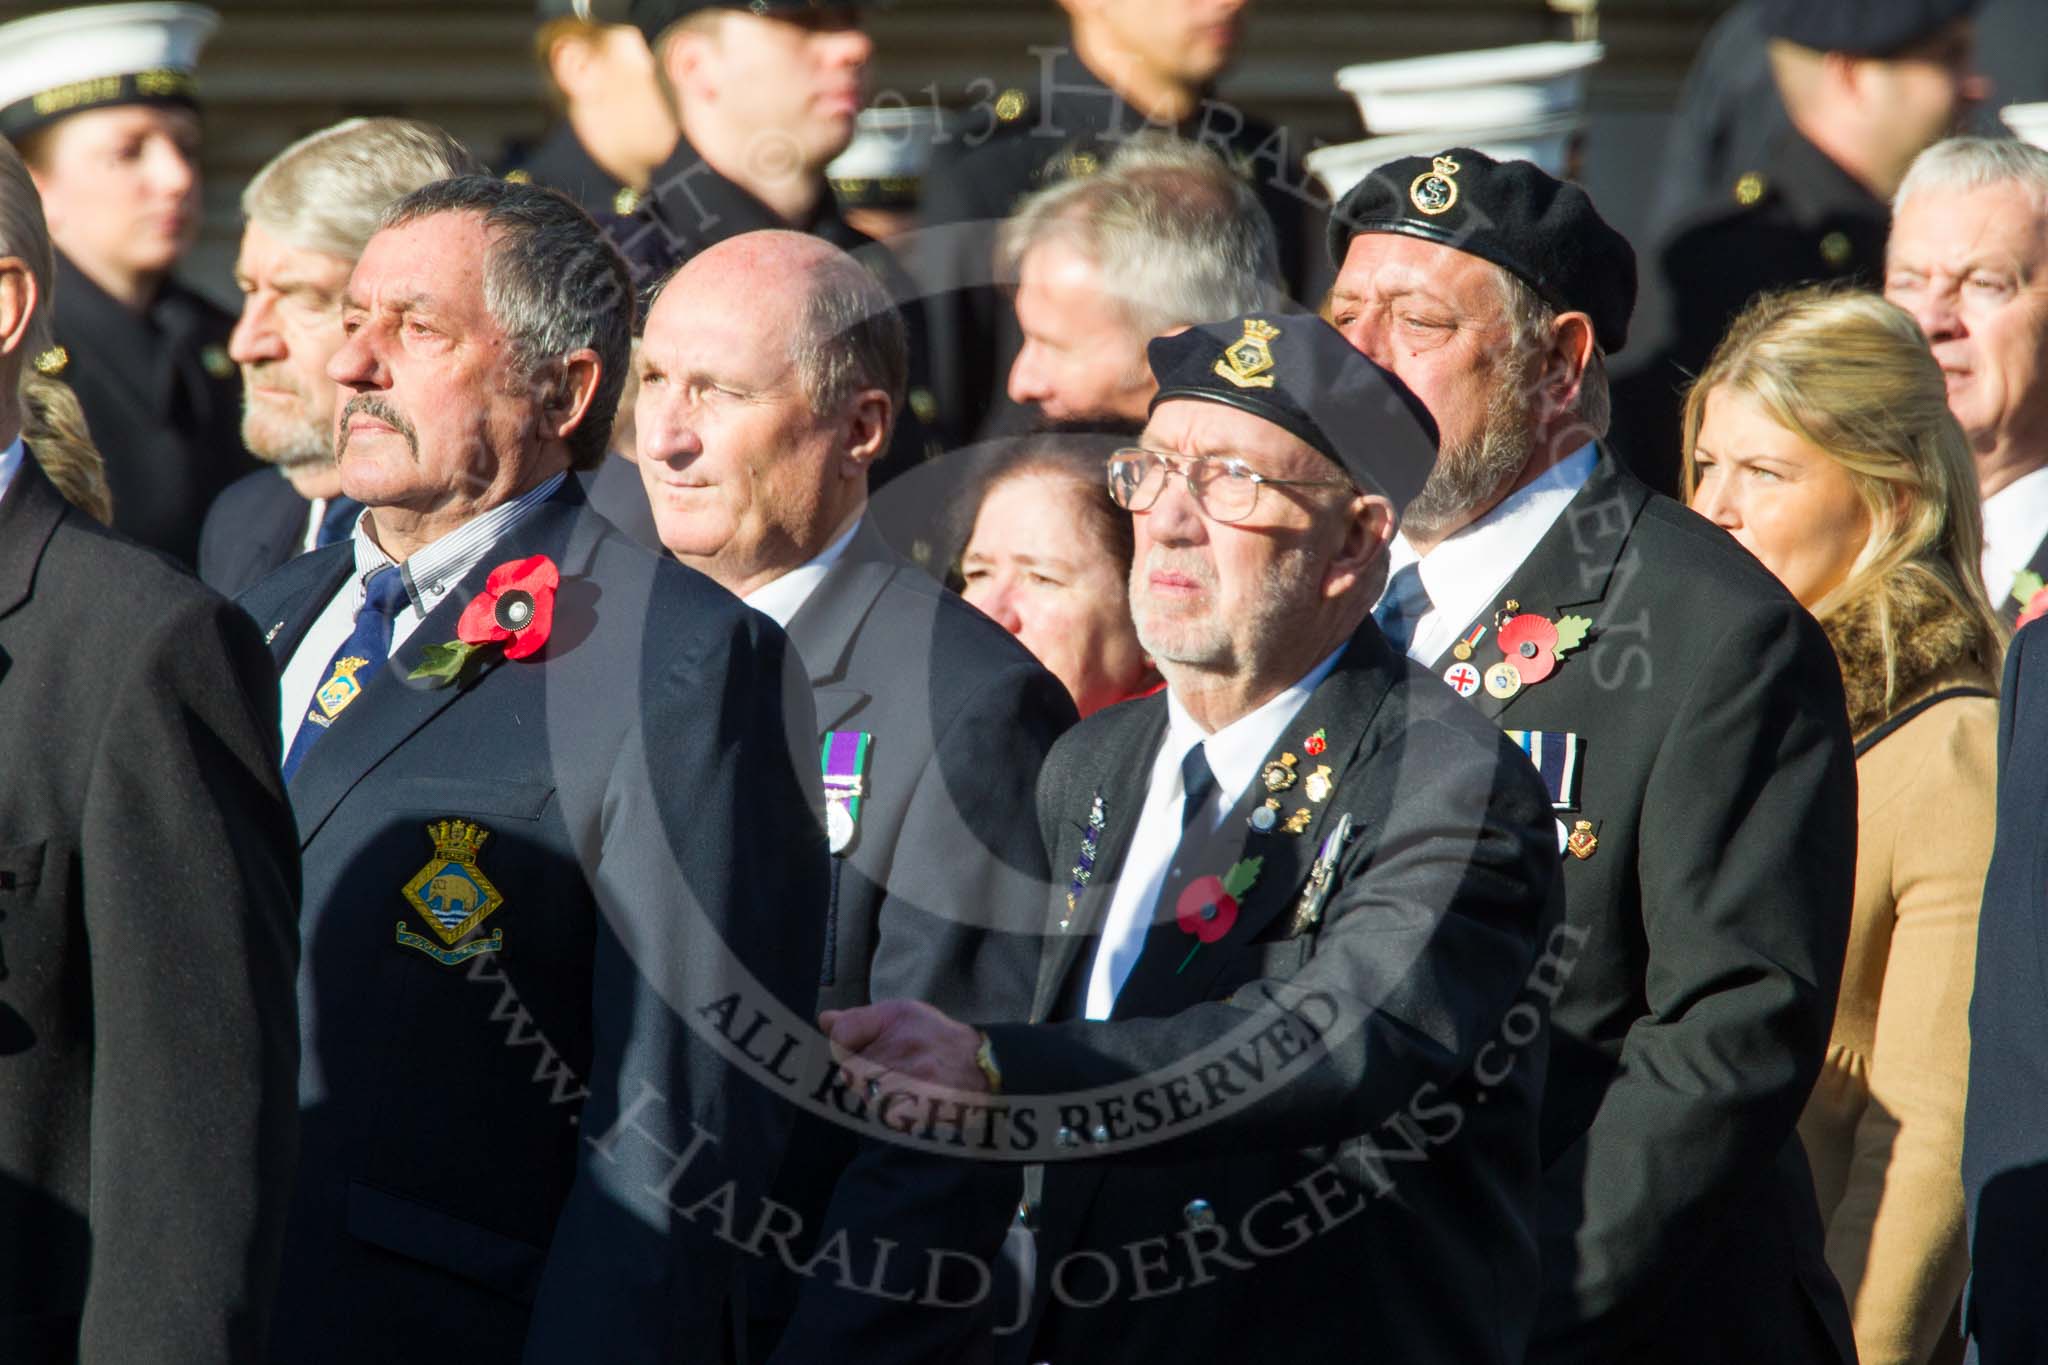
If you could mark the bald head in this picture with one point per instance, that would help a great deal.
(770, 370)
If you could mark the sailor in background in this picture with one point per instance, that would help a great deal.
(102, 104)
(613, 125)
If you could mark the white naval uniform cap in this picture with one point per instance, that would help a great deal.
(885, 163)
(71, 60)
(2029, 122)
(1456, 91)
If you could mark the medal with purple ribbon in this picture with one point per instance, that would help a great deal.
(844, 758)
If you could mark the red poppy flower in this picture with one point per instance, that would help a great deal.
(1530, 643)
(1205, 909)
(516, 605)
(2036, 608)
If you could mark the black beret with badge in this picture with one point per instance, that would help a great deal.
(1542, 230)
(97, 56)
(1865, 28)
(1299, 373)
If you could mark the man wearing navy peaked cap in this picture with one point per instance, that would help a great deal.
(1687, 718)
(1306, 855)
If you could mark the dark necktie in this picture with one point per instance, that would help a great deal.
(1198, 781)
(1402, 607)
(338, 522)
(353, 665)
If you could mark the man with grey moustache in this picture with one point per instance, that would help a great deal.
(310, 212)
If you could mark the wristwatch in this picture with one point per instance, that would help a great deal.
(985, 1058)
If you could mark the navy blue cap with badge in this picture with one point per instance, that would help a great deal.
(97, 56)
(1299, 373)
(1542, 230)
(1865, 28)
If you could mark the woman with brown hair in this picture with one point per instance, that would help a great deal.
(1819, 436)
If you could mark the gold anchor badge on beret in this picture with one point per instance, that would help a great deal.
(1434, 191)
(1248, 363)
(452, 895)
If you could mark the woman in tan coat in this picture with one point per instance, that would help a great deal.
(1819, 436)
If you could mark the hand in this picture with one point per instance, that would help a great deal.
(907, 1046)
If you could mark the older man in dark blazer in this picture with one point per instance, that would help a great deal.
(772, 370)
(1687, 717)
(149, 883)
(1277, 1020)
(554, 833)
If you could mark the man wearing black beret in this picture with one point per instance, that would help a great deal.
(1831, 101)
(1687, 718)
(1282, 1076)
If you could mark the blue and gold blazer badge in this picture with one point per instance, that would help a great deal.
(453, 895)
(338, 691)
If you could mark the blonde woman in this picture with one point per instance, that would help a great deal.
(1819, 436)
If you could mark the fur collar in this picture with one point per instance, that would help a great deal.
(1937, 644)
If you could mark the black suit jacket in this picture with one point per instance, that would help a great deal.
(1709, 925)
(1371, 1197)
(939, 898)
(149, 885)
(253, 527)
(2005, 1122)
(485, 1163)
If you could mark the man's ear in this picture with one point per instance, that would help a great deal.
(1566, 359)
(18, 300)
(569, 64)
(869, 418)
(683, 54)
(570, 394)
(1362, 552)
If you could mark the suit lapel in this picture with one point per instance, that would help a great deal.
(326, 571)
(1070, 929)
(2010, 607)
(391, 708)
(1571, 567)
(824, 628)
(29, 514)
(1167, 975)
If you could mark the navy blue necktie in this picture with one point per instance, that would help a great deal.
(353, 665)
(338, 522)
(1198, 781)
(1402, 607)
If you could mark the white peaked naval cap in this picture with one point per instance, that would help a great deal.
(71, 60)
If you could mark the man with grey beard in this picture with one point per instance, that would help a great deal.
(1687, 717)
(1307, 888)
(310, 211)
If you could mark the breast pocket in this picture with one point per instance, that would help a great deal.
(502, 798)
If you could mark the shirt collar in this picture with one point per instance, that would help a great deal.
(1461, 573)
(10, 463)
(1236, 751)
(433, 570)
(782, 598)
(2014, 519)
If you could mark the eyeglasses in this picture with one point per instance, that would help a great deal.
(1225, 489)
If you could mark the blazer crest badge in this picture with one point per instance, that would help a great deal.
(453, 896)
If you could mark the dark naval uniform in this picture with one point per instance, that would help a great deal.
(1021, 142)
(1795, 217)
(562, 163)
(163, 402)
(689, 206)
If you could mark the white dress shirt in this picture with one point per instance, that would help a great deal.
(1234, 753)
(431, 573)
(2015, 520)
(781, 599)
(1472, 566)
(10, 464)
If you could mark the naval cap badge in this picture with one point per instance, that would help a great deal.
(1434, 191)
(1248, 361)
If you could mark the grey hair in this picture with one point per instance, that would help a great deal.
(1975, 163)
(551, 280)
(328, 191)
(1179, 236)
(23, 233)
(849, 337)
(1530, 320)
